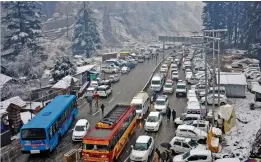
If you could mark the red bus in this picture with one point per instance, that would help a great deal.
(107, 139)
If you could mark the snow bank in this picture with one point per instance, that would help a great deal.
(241, 137)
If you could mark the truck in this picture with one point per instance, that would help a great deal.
(124, 54)
(108, 56)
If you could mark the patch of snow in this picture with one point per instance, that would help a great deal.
(26, 116)
(83, 43)
(23, 34)
(15, 37)
(242, 136)
(36, 31)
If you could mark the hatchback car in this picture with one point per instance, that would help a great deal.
(142, 149)
(194, 156)
(125, 70)
(200, 124)
(94, 83)
(168, 87)
(210, 98)
(153, 121)
(80, 129)
(114, 78)
(104, 90)
(186, 118)
(175, 75)
(161, 104)
(91, 91)
(192, 132)
(182, 144)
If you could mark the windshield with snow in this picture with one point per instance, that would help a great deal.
(160, 102)
(152, 119)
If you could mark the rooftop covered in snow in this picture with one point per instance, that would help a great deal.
(14, 100)
(85, 68)
(232, 78)
(65, 83)
(4, 79)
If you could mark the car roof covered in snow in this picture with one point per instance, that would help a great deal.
(143, 139)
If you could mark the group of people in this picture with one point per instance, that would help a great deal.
(95, 97)
(165, 156)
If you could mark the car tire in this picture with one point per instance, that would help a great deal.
(222, 103)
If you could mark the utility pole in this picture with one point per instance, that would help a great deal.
(206, 74)
(214, 38)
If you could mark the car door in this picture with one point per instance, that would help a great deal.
(185, 147)
(177, 145)
(151, 145)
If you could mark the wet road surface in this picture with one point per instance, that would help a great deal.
(167, 129)
(123, 91)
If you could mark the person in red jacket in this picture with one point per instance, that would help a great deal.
(96, 98)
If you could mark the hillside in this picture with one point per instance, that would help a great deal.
(139, 21)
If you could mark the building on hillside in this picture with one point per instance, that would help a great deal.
(234, 83)
(65, 85)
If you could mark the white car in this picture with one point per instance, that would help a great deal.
(223, 99)
(164, 66)
(191, 93)
(125, 70)
(91, 91)
(187, 118)
(193, 101)
(189, 75)
(200, 124)
(174, 66)
(94, 83)
(104, 90)
(142, 149)
(80, 129)
(192, 132)
(161, 104)
(175, 75)
(168, 87)
(182, 144)
(181, 89)
(194, 156)
(109, 69)
(153, 121)
(114, 78)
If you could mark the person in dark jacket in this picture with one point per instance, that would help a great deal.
(168, 111)
(102, 109)
(173, 114)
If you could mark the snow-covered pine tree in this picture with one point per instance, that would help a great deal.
(86, 35)
(23, 26)
(63, 67)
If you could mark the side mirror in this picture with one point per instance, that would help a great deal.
(132, 146)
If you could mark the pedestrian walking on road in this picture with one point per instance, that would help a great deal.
(102, 109)
(173, 114)
(156, 156)
(168, 111)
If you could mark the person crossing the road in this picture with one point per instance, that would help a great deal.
(102, 109)
(173, 114)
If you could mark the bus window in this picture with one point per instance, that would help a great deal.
(33, 134)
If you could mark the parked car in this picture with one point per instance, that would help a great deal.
(251, 84)
(153, 121)
(125, 70)
(142, 148)
(194, 156)
(80, 129)
(104, 90)
(192, 132)
(114, 78)
(105, 82)
(161, 104)
(109, 69)
(200, 124)
(182, 144)
(223, 99)
(168, 87)
(187, 118)
(94, 83)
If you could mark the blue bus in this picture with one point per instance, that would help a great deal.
(45, 130)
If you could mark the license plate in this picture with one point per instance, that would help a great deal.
(35, 151)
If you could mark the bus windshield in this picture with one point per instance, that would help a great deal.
(33, 134)
(95, 147)
(155, 82)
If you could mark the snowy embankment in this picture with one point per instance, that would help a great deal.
(243, 135)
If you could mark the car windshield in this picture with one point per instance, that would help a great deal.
(181, 87)
(79, 128)
(138, 106)
(186, 155)
(141, 146)
(155, 82)
(168, 85)
(33, 134)
(193, 143)
(89, 91)
(152, 119)
(160, 102)
(175, 73)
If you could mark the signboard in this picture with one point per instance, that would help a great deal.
(93, 76)
(193, 40)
